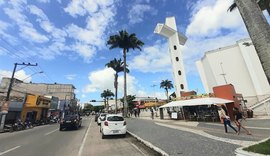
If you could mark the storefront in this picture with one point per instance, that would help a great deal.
(36, 108)
(200, 109)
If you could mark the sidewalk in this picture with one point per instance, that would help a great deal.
(213, 132)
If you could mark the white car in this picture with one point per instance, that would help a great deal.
(113, 124)
(101, 117)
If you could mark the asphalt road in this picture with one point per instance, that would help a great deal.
(49, 141)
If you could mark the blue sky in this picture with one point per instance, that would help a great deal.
(68, 41)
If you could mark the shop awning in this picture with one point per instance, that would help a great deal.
(196, 102)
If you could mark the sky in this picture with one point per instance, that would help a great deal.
(67, 39)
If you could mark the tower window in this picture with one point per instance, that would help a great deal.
(179, 72)
(182, 86)
(177, 59)
(174, 47)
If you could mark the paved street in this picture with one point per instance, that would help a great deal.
(49, 141)
(177, 138)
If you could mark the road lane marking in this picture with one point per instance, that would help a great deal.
(137, 148)
(2, 153)
(51, 132)
(84, 139)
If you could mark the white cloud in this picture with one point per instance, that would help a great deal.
(152, 59)
(21, 75)
(104, 79)
(137, 12)
(86, 51)
(71, 76)
(211, 19)
(205, 31)
(27, 31)
(82, 7)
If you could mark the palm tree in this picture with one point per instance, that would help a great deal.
(166, 84)
(258, 29)
(117, 66)
(106, 94)
(263, 4)
(125, 41)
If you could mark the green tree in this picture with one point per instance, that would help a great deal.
(130, 101)
(125, 41)
(166, 84)
(117, 66)
(88, 108)
(106, 94)
(258, 29)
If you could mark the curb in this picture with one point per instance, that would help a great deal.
(240, 152)
(148, 144)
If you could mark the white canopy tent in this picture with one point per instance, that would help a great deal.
(196, 102)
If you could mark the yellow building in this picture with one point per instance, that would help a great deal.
(35, 108)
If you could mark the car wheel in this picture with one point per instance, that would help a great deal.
(103, 136)
(124, 135)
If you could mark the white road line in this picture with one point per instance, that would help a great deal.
(2, 153)
(138, 149)
(51, 132)
(84, 139)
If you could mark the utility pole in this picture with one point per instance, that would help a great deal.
(5, 106)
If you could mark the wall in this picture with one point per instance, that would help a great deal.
(241, 67)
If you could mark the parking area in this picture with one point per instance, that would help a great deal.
(112, 145)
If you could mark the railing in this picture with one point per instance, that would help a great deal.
(259, 103)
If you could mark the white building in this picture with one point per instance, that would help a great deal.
(239, 65)
(175, 41)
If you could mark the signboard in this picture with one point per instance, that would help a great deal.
(174, 115)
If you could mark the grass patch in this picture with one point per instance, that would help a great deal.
(262, 148)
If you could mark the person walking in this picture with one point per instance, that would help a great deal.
(152, 113)
(238, 119)
(226, 119)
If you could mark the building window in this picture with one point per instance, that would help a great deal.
(174, 47)
(177, 59)
(179, 72)
(182, 86)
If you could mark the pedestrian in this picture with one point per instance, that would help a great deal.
(139, 111)
(152, 113)
(226, 119)
(238, 119)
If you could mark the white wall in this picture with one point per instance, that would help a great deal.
(241, 67)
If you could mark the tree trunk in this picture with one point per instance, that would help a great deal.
(258, 29)
(125, 83)
(167, 94)
(116, 89)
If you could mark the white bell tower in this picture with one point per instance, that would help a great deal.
(176, 40)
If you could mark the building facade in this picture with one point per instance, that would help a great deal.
(238, 65)
(20, 88)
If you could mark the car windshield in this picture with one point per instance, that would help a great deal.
(70, 116)
(115, 118)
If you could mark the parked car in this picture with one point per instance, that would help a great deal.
(113, 124)
(101, 117)
(70, 121)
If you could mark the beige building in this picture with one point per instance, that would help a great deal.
(19, 89)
